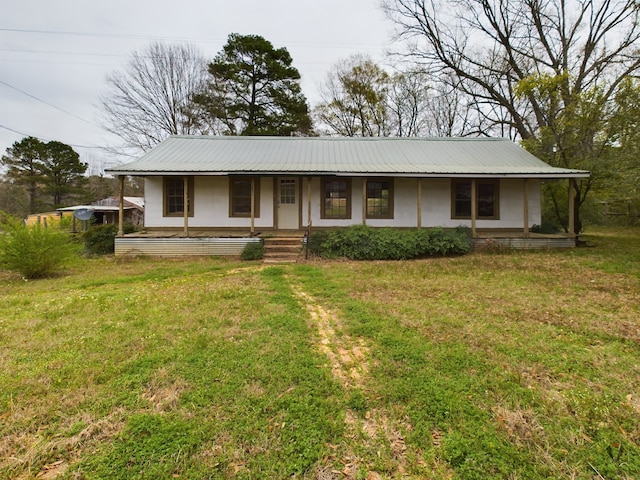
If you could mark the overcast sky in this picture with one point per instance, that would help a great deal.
(56, 54)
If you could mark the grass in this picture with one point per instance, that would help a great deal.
(520, 365)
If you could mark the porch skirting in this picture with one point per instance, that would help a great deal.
(181, 246)
(520, 243)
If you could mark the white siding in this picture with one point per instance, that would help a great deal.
(211, 205)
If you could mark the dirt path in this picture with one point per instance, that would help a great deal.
(349, 359)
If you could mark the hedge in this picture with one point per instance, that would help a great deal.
(361, 242)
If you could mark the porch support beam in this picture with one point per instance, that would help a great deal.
(572, 206)
(253, 205)
(185, 204)
(419, 222)
(120, 207)
(525, 200)
(474, 207)
(309, 204)
(364, 201)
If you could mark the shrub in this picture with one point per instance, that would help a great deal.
(253, 251)
(360, 242)
(100, 239)
(34, 251)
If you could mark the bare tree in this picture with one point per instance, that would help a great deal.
(531, 66)
(151, 98)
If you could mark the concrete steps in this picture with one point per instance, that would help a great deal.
(282, 249)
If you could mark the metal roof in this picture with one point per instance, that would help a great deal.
(388, 156)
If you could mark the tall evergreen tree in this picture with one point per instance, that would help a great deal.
(24, 161)
(254, 90)
(52, 168)
(62, 172)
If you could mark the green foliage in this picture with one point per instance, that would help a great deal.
(53, 169)
(255, 90)
(100, 239)
(253, 251)
(356, 99)
(34, 251)
(360, 242)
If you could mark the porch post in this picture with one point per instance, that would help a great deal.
(364, 201)
(309, 203)
(120, 207)
(253, 205)
(572, 212)
(526, 207)
(419, 222)
(474, 207)
(185, 204)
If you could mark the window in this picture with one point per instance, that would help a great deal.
(174, 196)
(288, 191)
(487, 199)
(379, 198)
(336, 198)
(240, 197)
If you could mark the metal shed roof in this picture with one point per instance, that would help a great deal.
(388, 156)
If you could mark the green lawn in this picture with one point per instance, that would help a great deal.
(517, 365)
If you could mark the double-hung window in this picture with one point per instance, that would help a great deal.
(380, 198)
(240, 197)
(487, 199)
(336, 198)
(173, 194)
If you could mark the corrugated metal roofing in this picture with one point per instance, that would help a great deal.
(428, 157)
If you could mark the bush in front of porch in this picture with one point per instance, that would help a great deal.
(361, 242)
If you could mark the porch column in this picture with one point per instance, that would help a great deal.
(474, 207)
(185, 204)
(572, 206)
(253, 205)
(526, 207)
(419, 222)
(120, 207)
(364, 201)
(309, 203)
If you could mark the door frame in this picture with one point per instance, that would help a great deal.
(276, 201)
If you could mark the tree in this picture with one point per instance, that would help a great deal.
(151, 98)
(586, 48)
(24, 161)
(354, 99)
(360, 98)
(254, 90)
(13, 198)
(62, 172)
(52, 168)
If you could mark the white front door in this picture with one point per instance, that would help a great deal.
(288, 203)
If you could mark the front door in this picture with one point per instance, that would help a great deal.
(288, 203)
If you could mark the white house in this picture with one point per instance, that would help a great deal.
(238, 188)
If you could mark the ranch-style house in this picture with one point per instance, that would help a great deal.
(212, 195)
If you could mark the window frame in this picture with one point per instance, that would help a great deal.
(494, 182)
(165, 196)
(232, 197)
(390, 213)
(323, 196)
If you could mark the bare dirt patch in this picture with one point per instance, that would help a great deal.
(349, 361)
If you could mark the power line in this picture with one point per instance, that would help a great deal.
(189, 39)
(46, 103)
(48, 139)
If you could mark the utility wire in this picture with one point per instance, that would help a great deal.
(46, 103)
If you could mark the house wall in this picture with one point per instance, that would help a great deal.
(436, 204)
(211, 205)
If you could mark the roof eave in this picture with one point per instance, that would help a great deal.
(541, 175)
